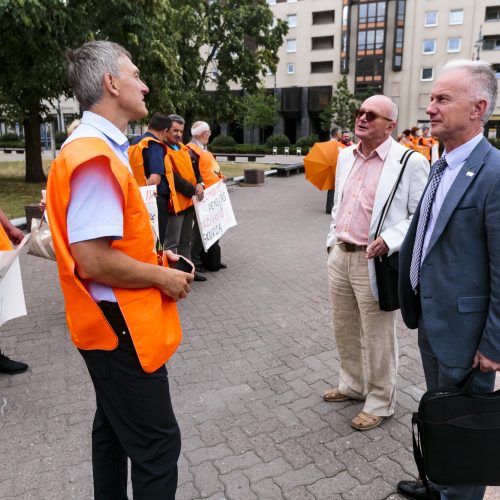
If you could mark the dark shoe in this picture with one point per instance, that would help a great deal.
(10, 366)
(415, 490)
(223, 266)
(199, 277)
(200, 269)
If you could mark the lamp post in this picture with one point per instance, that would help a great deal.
(479, 43)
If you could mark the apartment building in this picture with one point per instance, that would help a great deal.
(395, 47)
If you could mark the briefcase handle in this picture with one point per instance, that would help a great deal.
(417, 453)
(465, 386)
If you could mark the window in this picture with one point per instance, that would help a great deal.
(371, 12)
(291, 1)
(492, 13)
(431, 18)
(291, 19)
(321, 42)
(322, 67)
(291, 45)
(290, 69)
(456, 16)
(271, 2)
(269, 72)
(323, 17)
(370, 39)
(429, 46)
(496, 69)
(398, 41)
(491, 43)
(454, 44)
(427, 74)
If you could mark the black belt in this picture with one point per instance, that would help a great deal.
(350, 247)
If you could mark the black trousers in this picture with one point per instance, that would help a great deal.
(162, 201)
(134, 418)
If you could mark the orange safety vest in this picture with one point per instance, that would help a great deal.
(136, 160)
(151, 317)
(181, 163)
(427, 142)
(207, 163)
(5, 243)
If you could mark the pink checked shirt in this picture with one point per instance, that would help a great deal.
(355, 208)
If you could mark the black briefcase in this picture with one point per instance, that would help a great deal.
(457, 436)
(387, 274)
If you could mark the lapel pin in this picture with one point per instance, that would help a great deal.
(469, 174)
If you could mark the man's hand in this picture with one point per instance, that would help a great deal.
(199, 191)
(485, 364)
(376, 248)
(15, 235)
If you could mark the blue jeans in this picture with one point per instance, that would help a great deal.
(437, 375)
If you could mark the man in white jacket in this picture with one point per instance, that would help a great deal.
(365, 335)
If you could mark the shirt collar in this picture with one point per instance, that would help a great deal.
(381, 150)
(197, 142)
(458, 156)
(106, 127)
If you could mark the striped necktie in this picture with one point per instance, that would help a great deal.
(425, 211)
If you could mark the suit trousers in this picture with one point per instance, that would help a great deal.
(179, 232)
(134, 418)
(365, 335)
(437, 374)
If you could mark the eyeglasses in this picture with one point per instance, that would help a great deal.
(371, 115)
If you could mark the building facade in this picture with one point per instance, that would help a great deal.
(395, 47)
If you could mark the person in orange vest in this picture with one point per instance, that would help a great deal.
(426, 140)
(9, 233)
(147, 156)
(211, 173)
(120, 304)
(345, 140)
(180, 225)
(335, 135)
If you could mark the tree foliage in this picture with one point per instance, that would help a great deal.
(34, 37)
(222, 43)
(341, 109)
(260, 110)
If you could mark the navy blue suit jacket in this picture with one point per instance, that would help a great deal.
(460, 277)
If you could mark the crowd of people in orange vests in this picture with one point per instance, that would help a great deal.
(422, 141)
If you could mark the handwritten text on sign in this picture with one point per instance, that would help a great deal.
(214, 214)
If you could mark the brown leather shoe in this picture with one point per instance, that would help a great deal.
(364, 421)
(333, 395)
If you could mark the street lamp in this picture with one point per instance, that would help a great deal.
(479, 43)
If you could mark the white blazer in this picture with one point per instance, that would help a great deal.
(402, 207)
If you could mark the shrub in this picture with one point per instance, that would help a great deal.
(10, 137)
(278, 140)
(60, 138)
(307, 141)
(223, 140)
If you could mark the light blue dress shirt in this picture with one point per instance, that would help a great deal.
(455, 160)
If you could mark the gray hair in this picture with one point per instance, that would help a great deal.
(484, 82)
(88, 65)
(199, 128)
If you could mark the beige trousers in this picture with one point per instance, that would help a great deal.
(365, 335)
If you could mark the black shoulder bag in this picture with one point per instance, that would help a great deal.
(387, 267)
(458, 436)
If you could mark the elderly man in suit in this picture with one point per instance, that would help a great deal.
(450, 260)
(365, 335)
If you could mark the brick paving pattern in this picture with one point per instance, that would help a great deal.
(246, 382)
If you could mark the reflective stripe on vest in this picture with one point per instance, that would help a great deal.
(207, 164)
(151, 317)
(181, 163)
(136, 160)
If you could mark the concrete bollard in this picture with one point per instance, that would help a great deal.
(253, 176)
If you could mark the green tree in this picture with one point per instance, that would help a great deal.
(341, 108)
(222, 43)
(261, 110)
(34, 37)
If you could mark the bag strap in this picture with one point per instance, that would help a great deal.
(417, 454)
(403, 161)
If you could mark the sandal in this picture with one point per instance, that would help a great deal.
(364, 421)
(333, 395)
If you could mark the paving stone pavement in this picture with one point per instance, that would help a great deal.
(246, 382)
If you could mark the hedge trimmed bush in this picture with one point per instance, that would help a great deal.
(278, 140)
(223, 140)
(307, 141)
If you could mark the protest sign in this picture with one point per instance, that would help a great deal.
(149, 196)
(214, 214)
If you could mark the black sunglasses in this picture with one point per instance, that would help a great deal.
(371, 115)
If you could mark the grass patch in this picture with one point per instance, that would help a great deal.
(234, 169)
(14, 192)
